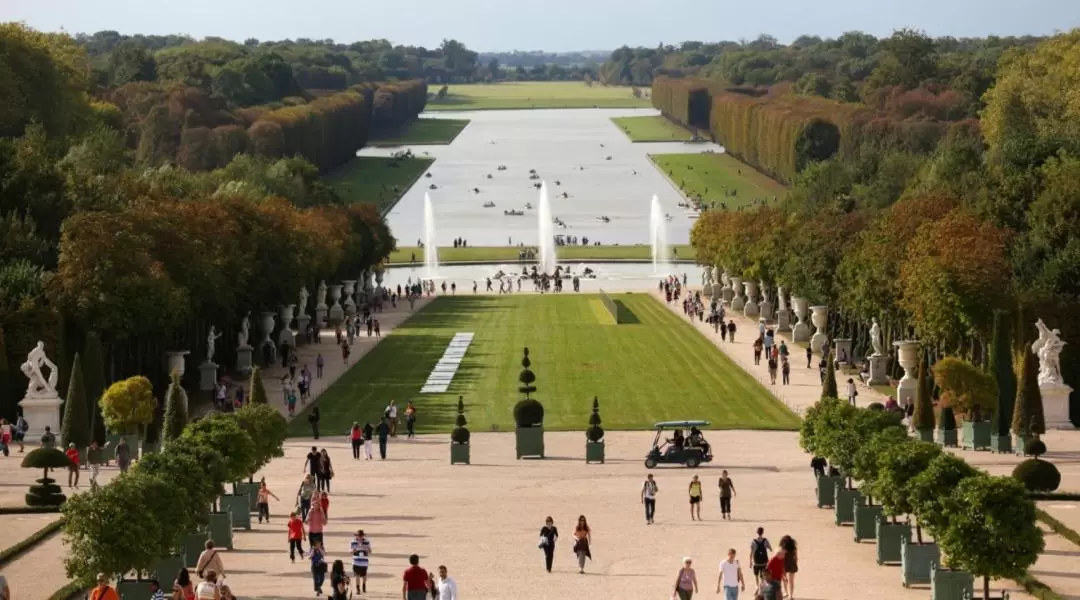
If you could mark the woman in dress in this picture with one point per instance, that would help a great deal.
(791, 565)
(549, 533)
(582, 541)
(686, 580)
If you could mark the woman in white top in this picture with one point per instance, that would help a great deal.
(730, 578)
(208, 589)
(851, 391)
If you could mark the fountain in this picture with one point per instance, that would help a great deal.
(431, 248)
(658, 237)
(545, 231)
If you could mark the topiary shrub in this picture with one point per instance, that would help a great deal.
(948, 419)
(46, 493)
(1035, 448)
(1037, 475)
(460, 434)
(875, 406)
(528, 412)
(595, 432)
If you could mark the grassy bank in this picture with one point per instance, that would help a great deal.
(713, 177)
(378, 180)
(405, 254)
(652, 129)
(421, 132)
(534, 94)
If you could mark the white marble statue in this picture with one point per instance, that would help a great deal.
(245, 331)
(764, 292)
(320, 295)
(875, 338)
(211, 341)
(302, 307)
(40, 387)
(1048, 348)
(707, 276)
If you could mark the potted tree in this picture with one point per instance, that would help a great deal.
(459, 437)
(991, 533)
(842, 441)
(76, 426)
(528, 414)
(865, 469)
(897, 465)
(196, 477)
(922, 418)
(823, 415)
(945, 434)
(128, 405)
(971, 391)
(928, 494)
(268, 430)
(1034, 474)
(1028, 421)
(594, 436)
(46, 492)
(1002, 361)
(223, 433)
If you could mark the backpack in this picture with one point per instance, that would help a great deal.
(761, 553)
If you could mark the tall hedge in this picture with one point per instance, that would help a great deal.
(1002, 365)
(94, 378)
(76, 426)
(685, 100)
(1028, 412)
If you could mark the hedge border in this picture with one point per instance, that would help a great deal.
(71, 590)
(29, 510)
(1055, 496)
(1037, 588)
(22, 547)
(1060, 528)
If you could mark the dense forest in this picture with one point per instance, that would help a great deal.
(938, 198)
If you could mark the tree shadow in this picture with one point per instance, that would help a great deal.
(626, 316)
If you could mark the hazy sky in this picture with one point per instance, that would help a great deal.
(556, 25)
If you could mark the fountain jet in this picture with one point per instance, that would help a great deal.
(431, 248)
(658, 237)
(546, 231)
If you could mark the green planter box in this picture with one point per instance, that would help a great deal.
(530, 441)
(846, 499)
(594, 452)
(867, 518)
(220, 528)
(194, 544)
(459, 454)
(1020, 443)
(239, 509)
(977, 435)
(890, 540)
(133, 589)
(947, 584)
(826, 490)
(150, 448)
(945, 437)
(924, 435)
(1001, 443)
(916, 562)
(251, 490)
(166, 569)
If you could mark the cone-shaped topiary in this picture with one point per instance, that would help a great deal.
(176, 417)
(93, 366)
(595, 432)
(1028, 412)
(1002, 365)
(256, 391)
(460, 434)
(923, 417)
(76, 428)
(528, 412)
(828, 387)
(948, 419)
(1037, 475)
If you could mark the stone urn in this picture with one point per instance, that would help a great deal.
(820, 318)
(737, 301)
(350, 304)
(379, 276)
(336, 314)
(726, 292)
(907, 352)
(750, 307)
(287, 311)
(174, 361)
(801, 332)
(783, 313)
(267, 324)
(765, 307)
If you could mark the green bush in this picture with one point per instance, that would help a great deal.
(824, 414)
(1037, 475)
(222, 433)
(595, 432)
(529, 413)
(828, 387)
(76, 426)
(875, 406)
(923, 416)
(460, 434)
(256, 390)
(1035, 448)
(1028, 418)
(176, 416)
(928, 492)
(267, 429)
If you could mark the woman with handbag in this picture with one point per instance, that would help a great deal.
(582, 541)
(548, 534)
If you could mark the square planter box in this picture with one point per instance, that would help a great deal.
(1001, 443)
(890, 540)
(150, 448)
(133, 589)
(945, 437)
(239, 509)
(251, 490)
(194, 544)
(917, 561)
(530, 441)
(846, 500)
(826, 490)
(220, 529)
(977, 435)
(1020, 443)
(166, 569)
(459, 454)
(867, 518)
(946, 584)
(594, 452)
(924, 435)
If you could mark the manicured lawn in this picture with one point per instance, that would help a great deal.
(450, 254)
(652, 129)
(421, 131)
(713, 177)
(656, 369)
(534, 94)
(377, 180)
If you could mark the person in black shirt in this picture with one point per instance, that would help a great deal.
(384, 434)
(312, 461)
(549, 533)
(369, 432)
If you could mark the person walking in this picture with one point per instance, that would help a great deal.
(772, 369)
(313, 419)
(369, 432)
(304, 494)
(415, 582)
(695, 498)
(757, 351)
(648, 498)
(183, 589)
(326, 470)
(262, 501)
(410, 420)
(318, 567)
(356, 436)
(774, 576)
(93, 456)
(759, 553)
(316, 521)
(296, 536)
(809, 356)
(208, 588)
(686, 581)
(851, 391)
(320, 362)
(73, 465)
(391, 414)
(582, 542)
(731, 331)
(103, 591)
(730, 578)
(360, 548)
(384, 434)
(339, 582)
(791, 565)
(727, 492)
(785, 370)
(549, 534)
(445, 586)
(209, 562)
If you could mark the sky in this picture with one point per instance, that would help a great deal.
(552, 25)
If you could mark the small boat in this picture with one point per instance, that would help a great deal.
(532, 171)
(667, 216)
(489, 176)
(501, 168)
(476, 190)
(608, 158)
(534, 177)
(604, 219)
(528, 206)
(489, 204)
(514, 213)
(428, 175)
(433, 187)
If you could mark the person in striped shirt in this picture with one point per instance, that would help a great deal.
(361, 550)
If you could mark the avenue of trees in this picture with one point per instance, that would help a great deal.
(934, 230)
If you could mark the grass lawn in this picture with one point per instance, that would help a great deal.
(657, 368)
(421, 131)
(450, 254)
(535, 94)
(373, 179)
(652, 129)
(712, 176)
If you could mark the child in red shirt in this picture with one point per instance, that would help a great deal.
(296, 536)
(324, 500)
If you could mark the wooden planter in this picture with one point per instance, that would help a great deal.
(594, 452)
(946, 584)
(133, 589)
(165, 569)
(846, 499)
(976, 435)
(945, 437)
(194, 544)
(251, 490)
(891, 538)
(530, 441)
(924, 435)
(916, 562)
(220, 529)
(1020, 444)
(459, 454)
(826, 490)
(239, 508)
(1001, 443)
(866, 521)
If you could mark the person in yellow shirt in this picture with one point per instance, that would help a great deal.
(695, 499)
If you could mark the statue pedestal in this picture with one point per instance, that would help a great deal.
(726, 296)
(320, 316)
(801, 333)
(738, 303)
(750, 309)
(843, 351)
(41, 412)
(302, 323)
(287, 336)
(765, 311)
(879, 370)
(818, 341)
(208, 376)
(1055, 398)
(337, 315)
(243, 358)
(783, 320)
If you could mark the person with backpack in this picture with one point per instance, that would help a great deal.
(648, 498)
(759, 553)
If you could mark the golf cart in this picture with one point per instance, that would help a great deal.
(690, 450)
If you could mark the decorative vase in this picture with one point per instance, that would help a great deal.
(765, 307)
(820, 318)
(267, 328)
(336, 314)
(908, 356)
(174, 361)
(287, 311)
(750, 307)
(350, 304)
(801, 331)
(726, 292)
(783, 314)
(737, 301)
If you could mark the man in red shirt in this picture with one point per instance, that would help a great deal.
(415, 581)
(73, 466)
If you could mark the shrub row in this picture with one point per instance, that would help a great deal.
(686, 100)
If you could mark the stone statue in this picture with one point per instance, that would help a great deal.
(40, 387)
(302, 307)
(320, 295)
(707, 276)
(211, 341)
(875, 337)
(764, 292)
(245, 331)
(1048, 349)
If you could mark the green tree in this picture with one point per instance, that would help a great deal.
(1028, 418)
(76, 427)
(849, 431)
(866, 466)
(128, 405)
(825, 414)
(130, 62)
(256, 390)
(176, 417)
(828, 387)
(992, 531)
(1002, 363)
(923, 417)
(186, 471)
(222, 432)
(94, 378)
(267, 429)
(928, 492)
(965, 387)
(897, 466)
